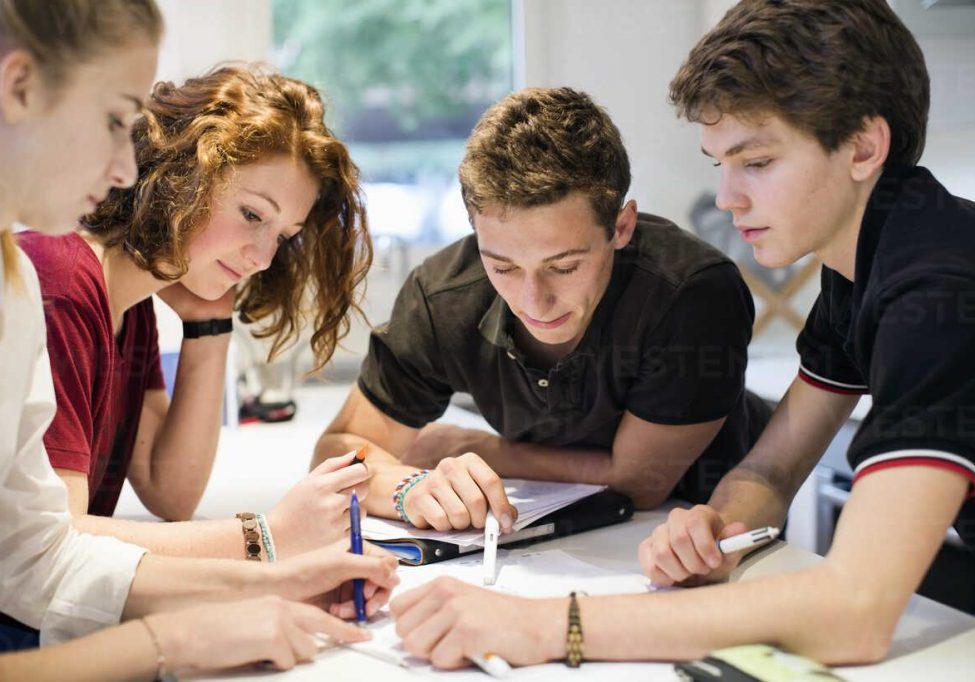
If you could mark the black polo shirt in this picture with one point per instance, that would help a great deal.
(668, 342)
(904, 331)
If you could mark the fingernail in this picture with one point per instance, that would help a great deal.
(505, 521)
(714, 562)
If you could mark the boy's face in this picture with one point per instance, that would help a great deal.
(787, 195)
(551, 264)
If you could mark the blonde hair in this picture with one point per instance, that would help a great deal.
(59, 35)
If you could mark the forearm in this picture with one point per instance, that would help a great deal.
(165, 583)
(690, 623)
(760, 489)
(125, 652)
(222, 539)
(186, 443)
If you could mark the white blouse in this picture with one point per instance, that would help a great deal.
(52, 578)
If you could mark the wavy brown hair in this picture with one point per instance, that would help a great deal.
(190, 137)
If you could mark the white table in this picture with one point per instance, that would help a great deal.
(257, 464)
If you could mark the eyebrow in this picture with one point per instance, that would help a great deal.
(751, 142)
(558, 256)
(266, 198)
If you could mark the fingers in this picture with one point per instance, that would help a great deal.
(493, 488)
(379, 569)
(457, 495)
(685, 547)
(313, 620)
(334, 463)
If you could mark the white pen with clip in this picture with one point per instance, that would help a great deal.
(746, 540)
(492, 529)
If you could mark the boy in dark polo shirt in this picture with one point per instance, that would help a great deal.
(603, 345)
(816, 112)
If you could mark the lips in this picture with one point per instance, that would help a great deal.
(233, 274)
(750, 234)
(547, 324)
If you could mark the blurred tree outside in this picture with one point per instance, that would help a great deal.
(404, 80)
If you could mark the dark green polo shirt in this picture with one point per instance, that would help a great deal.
(668, 342)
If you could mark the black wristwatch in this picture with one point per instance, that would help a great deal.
(194, 330)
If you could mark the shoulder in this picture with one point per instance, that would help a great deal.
(662, 250)
(454, 279)
(66, 266)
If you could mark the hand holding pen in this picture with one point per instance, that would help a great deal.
(685, 550)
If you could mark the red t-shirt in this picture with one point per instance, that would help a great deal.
(99, 380)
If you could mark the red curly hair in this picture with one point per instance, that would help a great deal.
(190, 136)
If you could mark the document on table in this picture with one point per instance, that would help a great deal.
(532, 499)
(550, 573)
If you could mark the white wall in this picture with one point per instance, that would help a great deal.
(624, 53)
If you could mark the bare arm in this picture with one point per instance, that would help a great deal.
(646, 461)
(176, 443)
(849, 603)
(760, 489)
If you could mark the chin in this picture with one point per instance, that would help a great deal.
(772, 259)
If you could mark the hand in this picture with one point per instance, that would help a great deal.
(684, 549)
(191, 307)
(315, 512)
(324, 577)
(444, 621)
(230, 634)
(457, 494)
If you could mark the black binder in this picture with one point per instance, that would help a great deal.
(599, 509)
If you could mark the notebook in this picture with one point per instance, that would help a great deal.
(546, 509)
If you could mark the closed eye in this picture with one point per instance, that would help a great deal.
(565, 271)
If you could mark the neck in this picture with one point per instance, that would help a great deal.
(840, 252)
(127, 284)
(542, 355)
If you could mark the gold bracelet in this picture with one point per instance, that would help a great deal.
(252, 536)
(573, 637)
(161, 673)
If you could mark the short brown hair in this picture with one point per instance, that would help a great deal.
(538, 145)
(822, 66)
(190, 136)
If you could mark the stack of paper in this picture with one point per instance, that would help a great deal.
(532, 499)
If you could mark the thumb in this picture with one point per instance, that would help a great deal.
(734, 528)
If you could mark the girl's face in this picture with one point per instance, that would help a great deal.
(258, 207)
(73, 143)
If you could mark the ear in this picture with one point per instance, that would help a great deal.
(870, 148)
(19, 81)
(625, 224)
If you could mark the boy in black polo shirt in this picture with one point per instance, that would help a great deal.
(816, 112)
(603, 345)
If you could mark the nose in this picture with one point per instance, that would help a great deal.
(259, 252)
(536, 296)
(123, 170)
(730, 197)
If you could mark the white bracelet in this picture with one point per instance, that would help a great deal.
(266, 537)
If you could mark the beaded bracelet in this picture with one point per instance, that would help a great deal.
(266, 536)
(399, 495)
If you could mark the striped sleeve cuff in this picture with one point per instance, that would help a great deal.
(932, 458)
(831, 385)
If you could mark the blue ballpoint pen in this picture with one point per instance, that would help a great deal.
(357, 583)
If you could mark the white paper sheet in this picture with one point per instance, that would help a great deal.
(551, 573)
